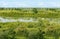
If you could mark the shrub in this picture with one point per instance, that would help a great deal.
(35, 10)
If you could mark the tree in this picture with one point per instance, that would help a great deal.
(35, 10)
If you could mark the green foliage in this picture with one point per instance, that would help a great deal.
(35, 10)
(42, 29)
(37, 35)
(30, 26)
(30, 12)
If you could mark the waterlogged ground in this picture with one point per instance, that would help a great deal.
(10, 19)
(17, 20)
(31, 24)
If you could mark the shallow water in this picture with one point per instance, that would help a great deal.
(16, 20)
(9, 19)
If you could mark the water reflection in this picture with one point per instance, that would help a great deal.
(57, 20)
(15, 20)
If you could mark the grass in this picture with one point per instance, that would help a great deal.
(50, 13)
(26, 30)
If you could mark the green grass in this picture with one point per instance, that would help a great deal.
(50, 13)
(26, 30)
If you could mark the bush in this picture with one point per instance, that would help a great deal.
(37, 35)
(7, 34)
(35, 10)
